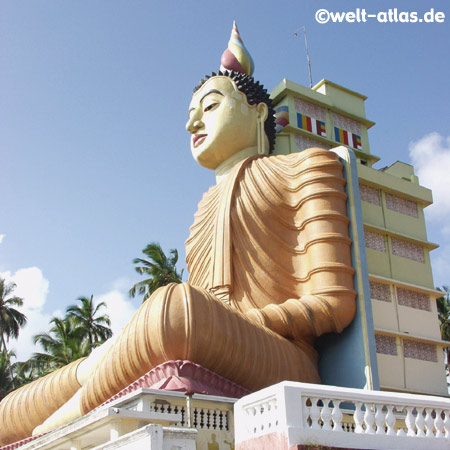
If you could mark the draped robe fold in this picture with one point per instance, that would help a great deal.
(276, 229)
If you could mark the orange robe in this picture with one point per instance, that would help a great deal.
(274, 230)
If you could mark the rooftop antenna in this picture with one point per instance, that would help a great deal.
(307, 53)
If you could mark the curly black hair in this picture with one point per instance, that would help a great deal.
(255, 94)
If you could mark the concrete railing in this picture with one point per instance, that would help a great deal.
(291, 413)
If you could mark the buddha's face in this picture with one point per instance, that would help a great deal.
(221, 122)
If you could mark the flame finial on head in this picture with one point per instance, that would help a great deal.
(236, 57)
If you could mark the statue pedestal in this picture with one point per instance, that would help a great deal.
(184, 376)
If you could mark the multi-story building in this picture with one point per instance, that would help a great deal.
(405, 324)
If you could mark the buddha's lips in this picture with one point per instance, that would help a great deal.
(198, 137)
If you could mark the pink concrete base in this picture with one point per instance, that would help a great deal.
(278, 441)
(270, 441)
(184, 376)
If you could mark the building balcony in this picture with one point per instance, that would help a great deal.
(292, 415)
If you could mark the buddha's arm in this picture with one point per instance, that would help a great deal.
(328, 300)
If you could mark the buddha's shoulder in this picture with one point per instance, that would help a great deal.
(310, 156)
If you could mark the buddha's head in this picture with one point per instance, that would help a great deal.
(230, 112)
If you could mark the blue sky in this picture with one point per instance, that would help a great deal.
(95, 157)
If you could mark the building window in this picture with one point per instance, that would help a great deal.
(375, 241)
(369, 195)
(413, 299)
(419, 350)
(407, 250)
(401, 205)
(380, 291)
(386, 345)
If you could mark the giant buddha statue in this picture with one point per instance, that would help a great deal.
(269, 262)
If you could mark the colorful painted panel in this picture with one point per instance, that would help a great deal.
(375, 241)
(419, 350)
(386, 345)
(407, 250)
(312, 125)
(281, 118)
(380, 291)
(413, 299)
(347, 138)
(304, 142)
(401, 205)
(369, 194)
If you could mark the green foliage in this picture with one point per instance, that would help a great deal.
(443, 306)
(63, 344)
(70, 338)
(6, 373)
(94, 327)
(11, 320)
(160, 269)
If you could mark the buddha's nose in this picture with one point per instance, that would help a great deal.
(194, 125)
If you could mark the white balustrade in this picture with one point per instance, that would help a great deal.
(308, 413)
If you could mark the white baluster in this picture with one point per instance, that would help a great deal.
(401, 431)
(390, 420)
(369, 419)
(447, 423)
(273, 413)
(315, 414)
(306, 412)
(410, 422)
(337, 415)
(326, 415)
(379, 419)
(358, 417)
(420, 422)
(429, 423)
(439, 424)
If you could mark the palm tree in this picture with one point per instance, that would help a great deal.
(160, 269)
(25, 372)
(6, 374)
(443, 306)
(63, 344)
(11, 320)
(93, 326)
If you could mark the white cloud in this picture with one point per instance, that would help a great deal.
(2, 236)
(119, 308)
(431, 159)
(33, 287)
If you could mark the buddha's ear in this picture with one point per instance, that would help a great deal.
(263, 111)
